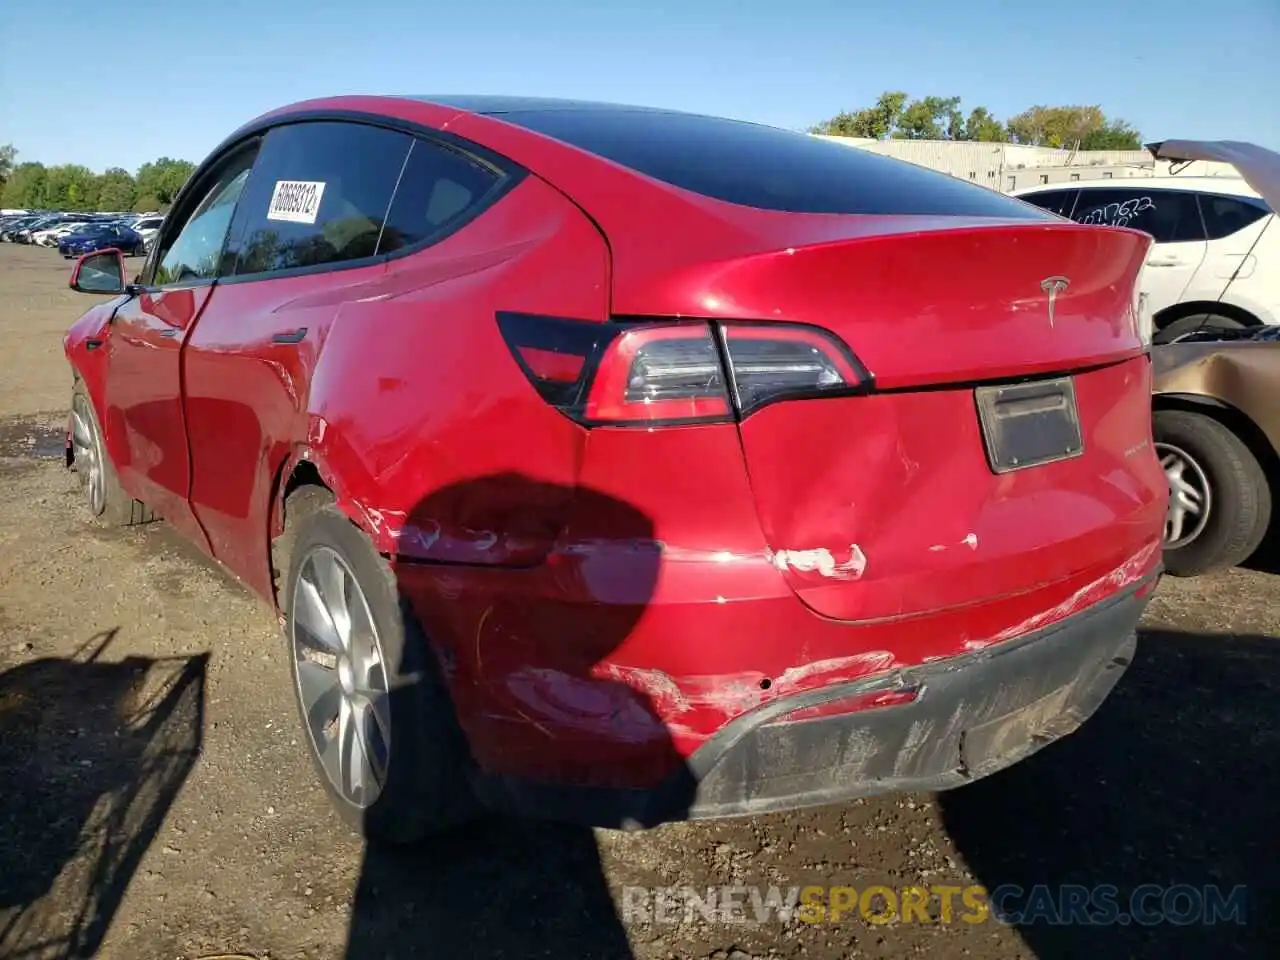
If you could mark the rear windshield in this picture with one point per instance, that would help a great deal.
(765, 167)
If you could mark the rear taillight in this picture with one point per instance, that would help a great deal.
(669, 372)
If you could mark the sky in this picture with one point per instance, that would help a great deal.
(121, 84)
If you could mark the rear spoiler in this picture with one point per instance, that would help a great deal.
(1259, 166)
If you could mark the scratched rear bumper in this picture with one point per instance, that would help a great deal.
(972, 716)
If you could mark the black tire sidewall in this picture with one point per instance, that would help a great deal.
(427, 788)
(1240, 498)
(1197, 321)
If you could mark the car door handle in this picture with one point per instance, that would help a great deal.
(170, 332)
(1164, 263)
(293, 336)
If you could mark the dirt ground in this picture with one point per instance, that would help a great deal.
(157, 801)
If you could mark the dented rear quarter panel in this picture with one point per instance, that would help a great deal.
(1244, 376)
(417, 416)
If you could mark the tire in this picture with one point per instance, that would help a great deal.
(107, 501)
(1199, 321)
(1200, 452)
(422, 786)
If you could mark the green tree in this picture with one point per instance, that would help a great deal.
(924, 119)
(894, 115)
(876, 122)
(982, 126)
(1113, 135)
(71, 186)
(146, 203)
(116, 190)
(7, 154)
(163, 179)
(25, 187)
(1068, 126)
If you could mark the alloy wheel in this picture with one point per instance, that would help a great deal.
(86, 446)
(341, 676)
(1190, 496)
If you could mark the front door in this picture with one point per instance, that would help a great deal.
(146, 425)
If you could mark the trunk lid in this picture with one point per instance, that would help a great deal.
(1005, 446)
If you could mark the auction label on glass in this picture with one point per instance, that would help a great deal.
(297, 201)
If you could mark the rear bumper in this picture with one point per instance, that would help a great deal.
(972, 715)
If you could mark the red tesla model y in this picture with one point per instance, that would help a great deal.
(624, 465)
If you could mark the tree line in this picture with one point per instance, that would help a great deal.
(71, 186)
(898, 117)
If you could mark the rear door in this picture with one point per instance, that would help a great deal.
(146, 428)
(310, 242)
(1234, 226)
(1172, 217)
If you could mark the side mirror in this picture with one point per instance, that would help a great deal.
(100, 272)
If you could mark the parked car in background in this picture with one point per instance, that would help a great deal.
(147, 228)
(101, 237)
(16, 225)
(627, 465)
(50, 235)
(1216, 259)
(1217, 431)
(23, 233)
(1217, 414)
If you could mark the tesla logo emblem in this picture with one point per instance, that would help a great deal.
(1052, 286)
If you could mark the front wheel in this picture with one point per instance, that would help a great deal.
(1219, 498)
(106, 499)
(374, 706)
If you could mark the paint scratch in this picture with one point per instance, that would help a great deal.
(821, 561)
(1093, 592)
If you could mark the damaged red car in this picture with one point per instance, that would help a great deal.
(622, 465)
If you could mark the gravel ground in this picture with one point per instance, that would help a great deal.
(158, 803)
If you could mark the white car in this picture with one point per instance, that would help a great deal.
(50, 236)
(1215, 262)
(148, 227)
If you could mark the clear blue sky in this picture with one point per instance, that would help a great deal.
(117, 84)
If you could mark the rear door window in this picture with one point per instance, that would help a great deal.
(1170, 216)
(1055, 201)
(440, 189)
(319, 195)
(1224, 216)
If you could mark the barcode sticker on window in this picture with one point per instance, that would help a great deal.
(297, 201)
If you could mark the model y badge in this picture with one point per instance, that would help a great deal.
(1053, 286)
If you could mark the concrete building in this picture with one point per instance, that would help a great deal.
(1011, 166)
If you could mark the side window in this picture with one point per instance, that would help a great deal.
(439, 188)
(1168, 215)
(193, 254)
(1055, 201)
(1224, 216)
(319, 195)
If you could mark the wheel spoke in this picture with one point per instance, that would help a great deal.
(312, 615)
(1189, 496)
(357, 767)
(323, 713)
(332, 584)
(79, 432)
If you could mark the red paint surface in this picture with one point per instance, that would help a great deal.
(600, 595)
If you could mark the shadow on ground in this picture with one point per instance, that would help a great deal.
(1173, 782)
(1266, 559)
(92, 754)
(518, 647)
